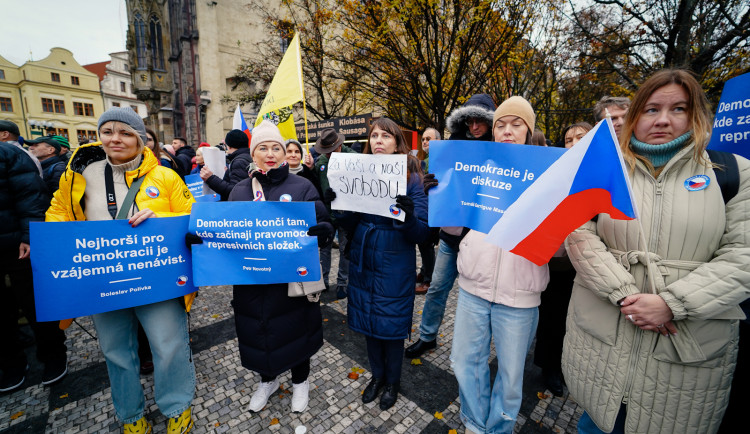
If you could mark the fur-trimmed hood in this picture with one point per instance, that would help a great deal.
(479, 105)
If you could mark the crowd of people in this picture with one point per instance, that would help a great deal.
(642, 320)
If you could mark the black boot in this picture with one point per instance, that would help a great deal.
(420, 347)
(553, 381)
(372, 390)
(390, 395)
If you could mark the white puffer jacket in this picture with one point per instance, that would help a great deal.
(489, 272)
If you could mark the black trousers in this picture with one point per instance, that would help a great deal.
(385, 356)
(552, 312)
(299, 373)
(50, 340)
(735, 415)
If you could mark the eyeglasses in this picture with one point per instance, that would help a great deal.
(471, 121)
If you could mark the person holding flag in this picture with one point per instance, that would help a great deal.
(498, 297)
(652, 327)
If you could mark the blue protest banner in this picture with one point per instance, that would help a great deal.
(100, 266)
(254, 242)
(196, 186)
(731, 129)
(479, 180)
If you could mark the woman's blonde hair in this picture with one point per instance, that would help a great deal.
(699, 114)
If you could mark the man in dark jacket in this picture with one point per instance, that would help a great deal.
(472, 121)
(183, 154)
(47, 151)
(23, 199)
(329, 142)
(239, 159)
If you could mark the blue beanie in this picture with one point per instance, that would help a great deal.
(125, 115)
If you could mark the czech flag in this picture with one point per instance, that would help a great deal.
(238, 123)
(588, 179)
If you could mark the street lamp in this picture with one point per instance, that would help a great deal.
(42, 126)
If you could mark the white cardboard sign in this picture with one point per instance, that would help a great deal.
(368, 183)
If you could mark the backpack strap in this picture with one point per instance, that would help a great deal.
(728, 175)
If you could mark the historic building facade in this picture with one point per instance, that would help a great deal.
(53, 95)
(182, 55)
(117, 84)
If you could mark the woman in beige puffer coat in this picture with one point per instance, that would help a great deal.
(658, 357)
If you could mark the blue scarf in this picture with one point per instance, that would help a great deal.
(659, 155)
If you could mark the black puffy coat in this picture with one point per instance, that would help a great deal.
(237, 170)
(276, 332)
(52, 170)
(23, 196)
(184, 156)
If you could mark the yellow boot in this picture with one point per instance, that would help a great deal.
(181, 424)
(138, 427)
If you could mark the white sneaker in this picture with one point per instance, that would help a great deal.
(261, 395)
(300, 396)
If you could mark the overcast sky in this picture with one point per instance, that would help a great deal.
(90, 29)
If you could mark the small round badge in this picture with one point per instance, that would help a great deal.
(286, 197)
(302, 271)
(395, 211)
(152, 192)
(697, 182)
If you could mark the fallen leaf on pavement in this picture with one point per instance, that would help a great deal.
(438, 415)
(16, 416)
(542, 395)
(274, 421)
(416, 361)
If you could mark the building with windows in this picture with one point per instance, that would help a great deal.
(55, 95)
(182, 56)
(117, 84)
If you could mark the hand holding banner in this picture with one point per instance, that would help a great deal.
(254, 242)
(368, 183)
(478, 181)
(84, 272)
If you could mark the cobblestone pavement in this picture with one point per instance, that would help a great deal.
(428, 403)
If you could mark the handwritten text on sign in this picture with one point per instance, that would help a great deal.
(368, 183)
(102, 266)
(478, 181)
(254, 242)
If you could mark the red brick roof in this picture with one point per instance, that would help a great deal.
(99, 69)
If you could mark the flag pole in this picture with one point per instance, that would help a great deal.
(302, 86)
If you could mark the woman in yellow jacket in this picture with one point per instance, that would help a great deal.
(95, 171)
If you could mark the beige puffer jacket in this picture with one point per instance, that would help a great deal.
(701, 261)
(489, 272)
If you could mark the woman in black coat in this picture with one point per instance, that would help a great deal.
(276, 332)
(301, 164)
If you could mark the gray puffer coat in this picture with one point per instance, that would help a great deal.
(700, 254)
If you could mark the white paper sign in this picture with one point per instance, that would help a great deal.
(368, 183)
(216, 161)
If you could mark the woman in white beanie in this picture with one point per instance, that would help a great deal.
(277, 333)
(498, 297)
(111, 167)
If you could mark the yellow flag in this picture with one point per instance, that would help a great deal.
(286, 87)
(283, 119)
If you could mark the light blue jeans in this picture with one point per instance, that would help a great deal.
(489, 408)
(443, 276)
(166, 326)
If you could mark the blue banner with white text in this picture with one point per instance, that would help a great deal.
(254, 243)
(196, 186)
(101, 266)
(478, 181)
(731, 127)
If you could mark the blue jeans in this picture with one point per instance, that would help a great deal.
(586, 425)
(166, 326)
(325, 261)
(443, 276)
(489, 408)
